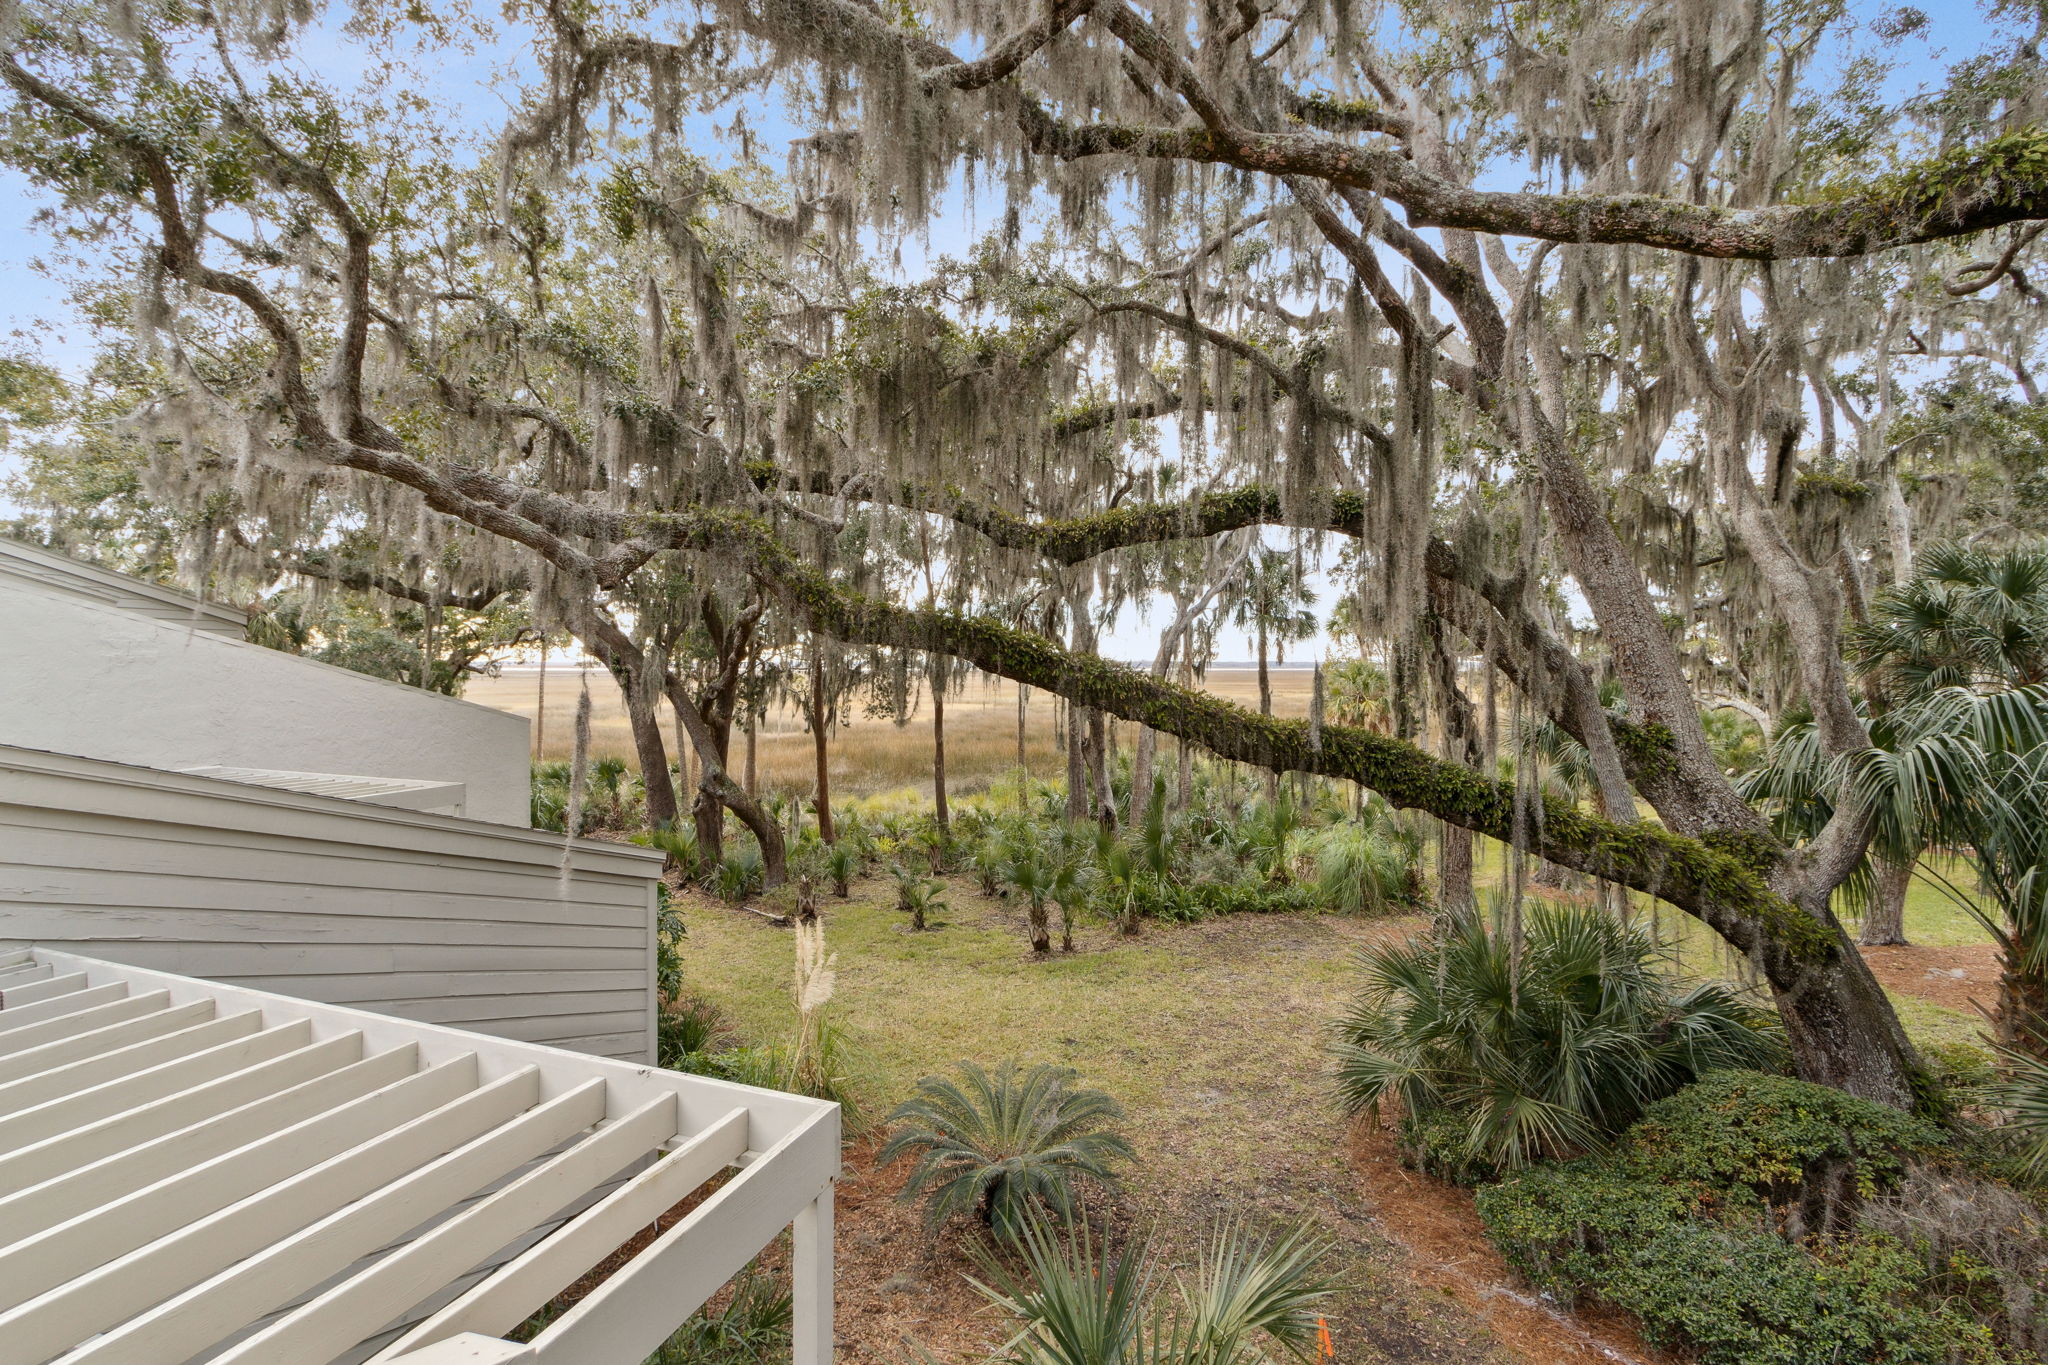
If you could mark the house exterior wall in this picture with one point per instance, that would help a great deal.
(504, 931)
(58, 572)
(102, 681)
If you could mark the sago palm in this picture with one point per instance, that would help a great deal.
(1001, 1144)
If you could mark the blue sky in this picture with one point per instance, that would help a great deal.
(35, 316)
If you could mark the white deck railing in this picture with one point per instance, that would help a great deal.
(191, 1171)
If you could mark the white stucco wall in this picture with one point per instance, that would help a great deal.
(78, 677)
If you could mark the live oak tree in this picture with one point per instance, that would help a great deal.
(1587, 324)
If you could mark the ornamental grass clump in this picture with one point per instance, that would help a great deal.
(1500, 1054)
(1002, 1144)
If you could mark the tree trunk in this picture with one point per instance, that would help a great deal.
(1454, 867)
(1840, 1025)
(1884, 920)
(1023, 702)
(753, 783)
(939, 811)
(651, 751)
(1141, 773)
(718, 793)
(2023, 1008)
(819, 754)
(707, 813)
(629, 667)
(1077, 770)
(1095, 749)
(1266, 709)
(540, 709)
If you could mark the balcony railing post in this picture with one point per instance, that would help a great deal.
(811, 1272)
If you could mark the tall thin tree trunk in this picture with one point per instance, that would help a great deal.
(1077, 768)
(1884, 920)
(651, 751)
(1266, 708)
(540, 708)
(1023, 705)
(939, 811)
(820, 756)
(753, 783)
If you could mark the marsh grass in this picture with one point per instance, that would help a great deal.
(867, 754)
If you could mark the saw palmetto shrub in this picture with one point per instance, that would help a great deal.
(1501, 1048)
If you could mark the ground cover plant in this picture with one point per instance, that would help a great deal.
(1728, 1223)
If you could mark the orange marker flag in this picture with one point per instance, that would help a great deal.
(1326, 1349)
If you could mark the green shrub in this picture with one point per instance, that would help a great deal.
(739, 876)
(688, 1029)
(679, 842)
(1725, 1223)
(1546, 1055)
(1363, 866)
(1005, 1143)
(1717, 1281)
(1810, 1153)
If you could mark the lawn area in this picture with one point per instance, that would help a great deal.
(1212, 1036)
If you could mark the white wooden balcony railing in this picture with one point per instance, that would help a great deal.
(198, 1172)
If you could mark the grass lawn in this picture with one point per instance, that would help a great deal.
(1211, 1035)
(1213, 1038)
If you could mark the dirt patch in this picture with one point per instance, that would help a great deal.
(1448, 1248)
(1955, 978)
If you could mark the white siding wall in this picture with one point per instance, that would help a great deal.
(81, 677)
(432, 918)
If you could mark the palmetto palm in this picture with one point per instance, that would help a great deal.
(1001, 1144)
(1028, 871)
(1967, 618)
(1957, 656)
(1542, 1054)
(1073, 1305)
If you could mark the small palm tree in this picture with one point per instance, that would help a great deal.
(1364, 866)
(842, 865)
(1251, 1301)
(1003, 1144)
(918, 896)
(1029, 873)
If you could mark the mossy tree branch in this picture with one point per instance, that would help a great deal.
(1724, 884)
